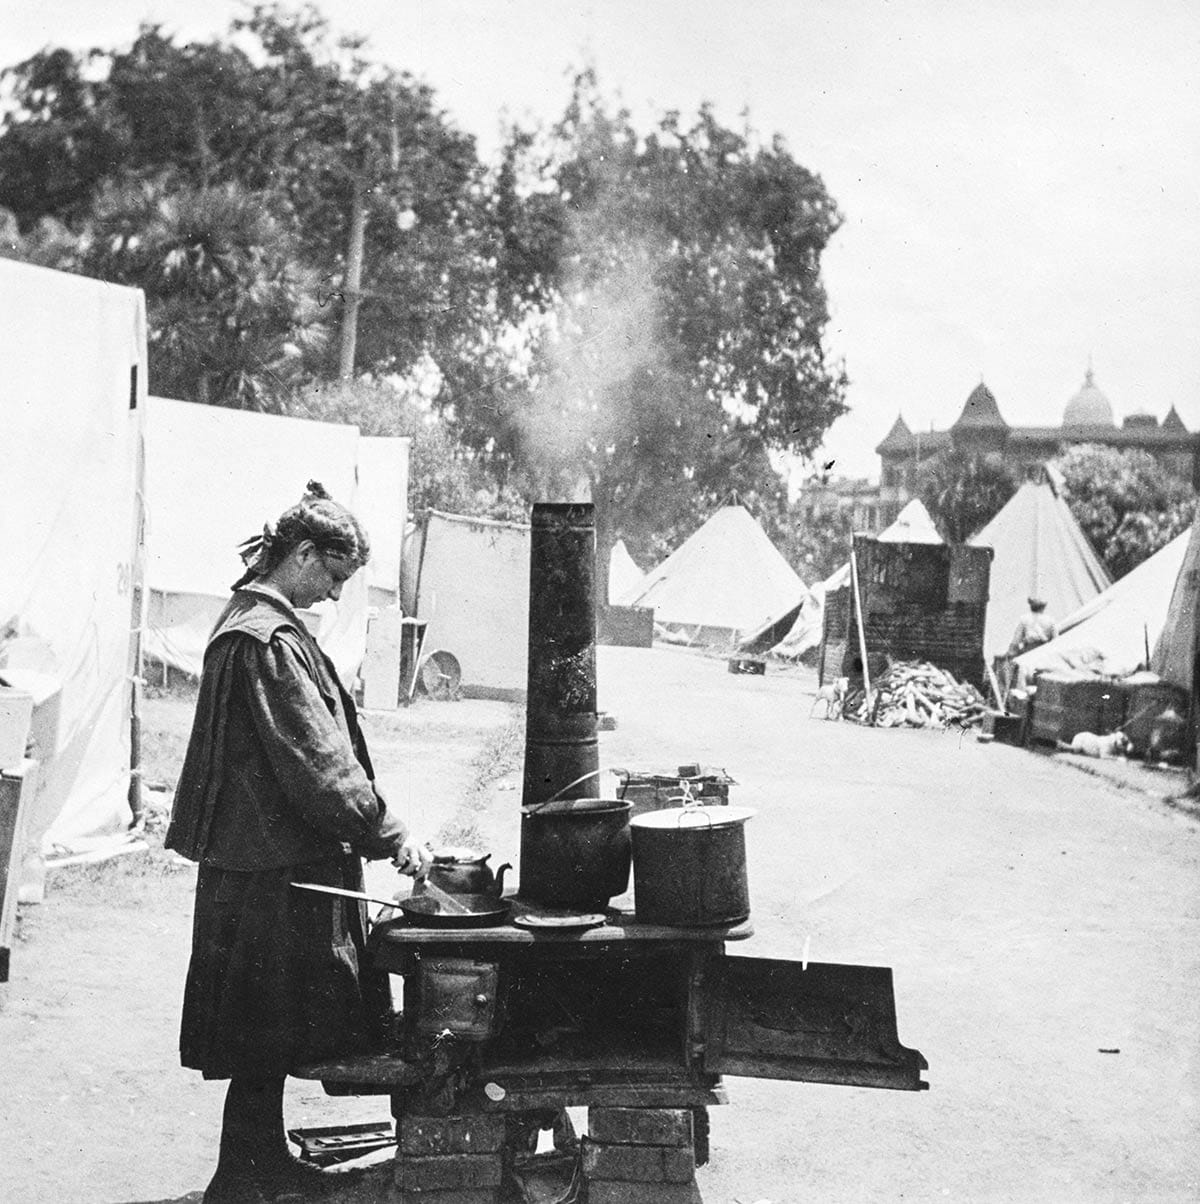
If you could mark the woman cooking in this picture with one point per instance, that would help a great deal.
(277, 788)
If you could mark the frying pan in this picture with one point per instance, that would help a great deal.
(471, 911)
(429, 911)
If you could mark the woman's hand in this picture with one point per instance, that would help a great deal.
(413, 858)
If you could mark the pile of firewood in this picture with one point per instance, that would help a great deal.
(917, 694)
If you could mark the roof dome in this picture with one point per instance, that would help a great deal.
(1089, 407)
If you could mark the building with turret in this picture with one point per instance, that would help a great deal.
(981, 430)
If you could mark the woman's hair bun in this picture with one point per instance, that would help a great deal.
(316, 491)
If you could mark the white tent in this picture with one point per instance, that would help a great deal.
(213, 477)
(723, 582)
(1174, 655)
(624, 576)
(806, 630)
(72, 385)
(382, 507)
(470, 577)
(1039, 551)
(1111, 632)
(912, 525)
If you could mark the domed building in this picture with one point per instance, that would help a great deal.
(1089, 407)
(1088, 417)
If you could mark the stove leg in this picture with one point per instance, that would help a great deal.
(640, 1156)
(455, 1159)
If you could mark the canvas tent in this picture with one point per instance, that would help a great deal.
(805, 633)
(624, 576)
(912, 525)
(1110, 633)
(469, 579)
(723, 582)
(73, 385)
(1039, 551)
(213, 477)
(1175, 649)
(381, 504)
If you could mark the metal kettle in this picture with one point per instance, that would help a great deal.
(459, 871)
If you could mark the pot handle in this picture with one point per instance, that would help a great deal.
(595, 773)
(693, 811)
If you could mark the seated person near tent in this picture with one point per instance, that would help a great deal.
(276, 788)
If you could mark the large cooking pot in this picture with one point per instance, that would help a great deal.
(689, 866)
(575, 852)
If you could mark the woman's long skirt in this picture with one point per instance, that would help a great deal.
(277, 975)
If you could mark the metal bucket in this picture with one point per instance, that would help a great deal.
(575, 853)
(689, 866)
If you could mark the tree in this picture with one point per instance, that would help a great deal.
(1126, 504)
(442, 474)
(374, 196)
(230, 311)
(671, 296)
(818, 544)
(964, 492)
(58, 141)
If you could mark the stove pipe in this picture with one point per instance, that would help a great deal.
(560, 715)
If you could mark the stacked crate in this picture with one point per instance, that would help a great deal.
(640, 1156)
(654, 791)
(1064, 705)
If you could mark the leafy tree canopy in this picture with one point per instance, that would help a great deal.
(442, 474)
(638, 315)
(282, 118)
(818, 544)
(964, 492)
(1126, 504)
(674, 311)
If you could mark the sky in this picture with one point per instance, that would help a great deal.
(1019, 179)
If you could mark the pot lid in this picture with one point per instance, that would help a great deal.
(688, 818)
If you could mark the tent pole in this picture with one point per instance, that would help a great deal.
(862, 635)
(138, 618)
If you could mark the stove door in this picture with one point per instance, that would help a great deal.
(821, 1024)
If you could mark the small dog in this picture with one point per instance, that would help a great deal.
(1088, 744)
(833, 696)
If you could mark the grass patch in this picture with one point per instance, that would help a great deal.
(121, 881)
(166, 725)
(501, 754)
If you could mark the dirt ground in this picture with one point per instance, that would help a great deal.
(1042, 925)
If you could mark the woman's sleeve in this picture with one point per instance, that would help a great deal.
(311, 756)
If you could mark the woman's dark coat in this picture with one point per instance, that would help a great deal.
(277, 787)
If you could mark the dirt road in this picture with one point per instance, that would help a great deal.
(1035, 916)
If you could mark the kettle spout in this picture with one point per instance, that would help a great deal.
(500, 878)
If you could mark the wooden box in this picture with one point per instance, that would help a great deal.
(1064, 705)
